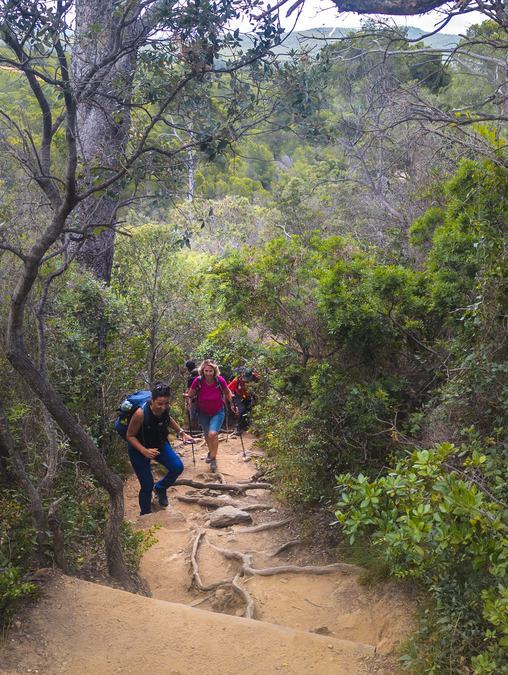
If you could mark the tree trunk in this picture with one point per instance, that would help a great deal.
(103, 121)
(89, 452)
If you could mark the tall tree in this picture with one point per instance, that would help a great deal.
(90, 83)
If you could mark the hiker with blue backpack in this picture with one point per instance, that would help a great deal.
(147, 439)
(209, 396)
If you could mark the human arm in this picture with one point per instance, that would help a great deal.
(233, 385)
(191, 393)
(179, 430)
(228, 393)
(133, 429)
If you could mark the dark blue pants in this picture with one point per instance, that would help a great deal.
(141, 465)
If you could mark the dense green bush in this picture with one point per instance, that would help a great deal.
(439, 517)
(17, 544)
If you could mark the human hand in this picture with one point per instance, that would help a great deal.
(186, 438)
(151, 453)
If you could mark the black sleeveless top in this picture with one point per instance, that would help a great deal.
(154, 430)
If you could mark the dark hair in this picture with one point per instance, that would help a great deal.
(160, 389)
(190, 364)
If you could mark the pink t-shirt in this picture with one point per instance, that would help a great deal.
(209, 395)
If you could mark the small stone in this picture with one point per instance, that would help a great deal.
(330, 646)
(322, 630)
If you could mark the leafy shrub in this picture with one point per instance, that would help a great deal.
(17, 543)
(439, 519)
(135, 543)
(12, 590)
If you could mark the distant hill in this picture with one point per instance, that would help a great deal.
(315, 38)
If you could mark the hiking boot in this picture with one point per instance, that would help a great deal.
(213, 465)
(162, 496)
(208, 459)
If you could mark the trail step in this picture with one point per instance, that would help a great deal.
(82, 627)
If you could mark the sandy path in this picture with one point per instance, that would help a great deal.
(326, 624)
(336, 605)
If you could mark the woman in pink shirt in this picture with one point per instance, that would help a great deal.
(212, 394)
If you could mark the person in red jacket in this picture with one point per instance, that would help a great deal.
(243, 397)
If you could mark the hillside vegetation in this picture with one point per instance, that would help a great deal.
(338, 220)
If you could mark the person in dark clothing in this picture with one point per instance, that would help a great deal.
(147, 439)
(243, 397)
(193, 372)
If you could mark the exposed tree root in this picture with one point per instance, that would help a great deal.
(284, 547)
(217, 502)
(225, 487)
(196, 603)
(247, 568)
(231, 583)
(264, 526)
(250, 607)
(258, 475)
(196, 578)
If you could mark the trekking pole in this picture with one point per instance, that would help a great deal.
(190, 432)
(189, 419)
(243, 446)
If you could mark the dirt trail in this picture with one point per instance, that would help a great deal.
(347, 628)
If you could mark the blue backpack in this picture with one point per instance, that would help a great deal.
(127, 408)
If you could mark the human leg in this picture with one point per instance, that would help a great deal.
(169, 459)
(243, 412)
(212, 438)
(143, 471)
(245, 418)
(204, 423)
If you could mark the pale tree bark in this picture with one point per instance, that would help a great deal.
(103, 62)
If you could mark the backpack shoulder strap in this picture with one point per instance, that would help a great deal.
(222, 388)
